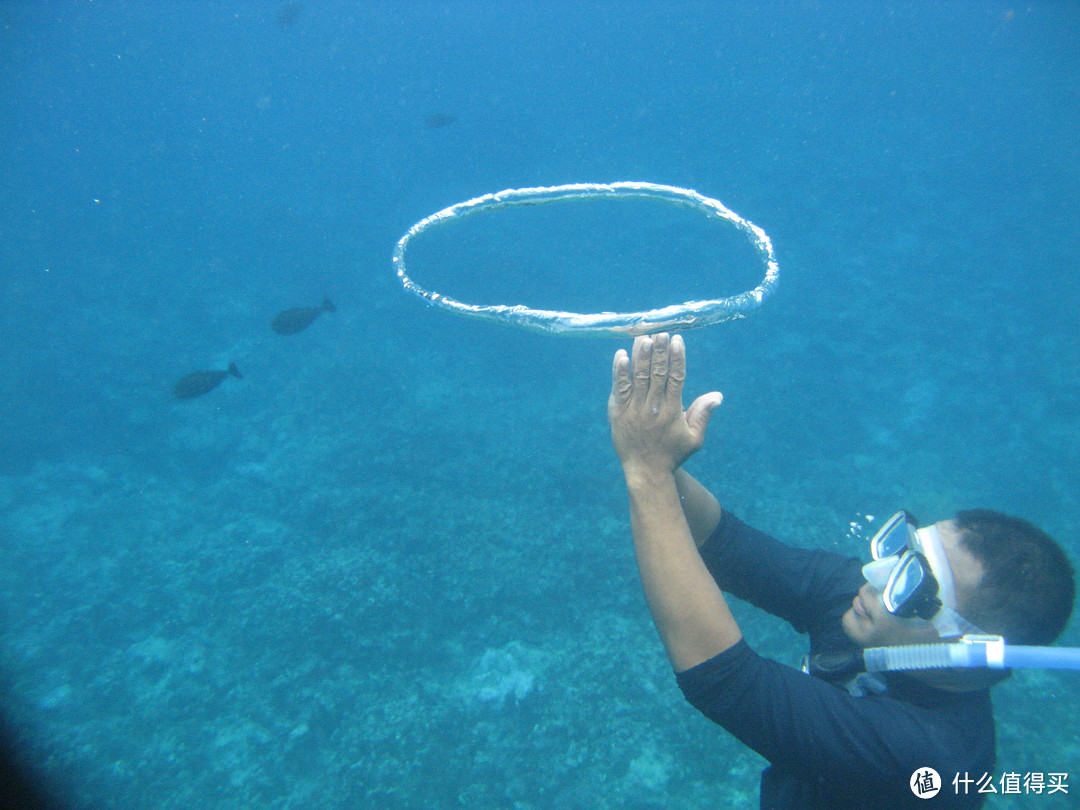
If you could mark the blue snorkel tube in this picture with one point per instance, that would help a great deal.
(971, 651)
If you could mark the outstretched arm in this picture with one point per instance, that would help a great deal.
(653, 436)
(700, 506)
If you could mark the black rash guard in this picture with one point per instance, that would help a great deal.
(826, 747)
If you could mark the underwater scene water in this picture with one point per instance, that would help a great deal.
(390, 565)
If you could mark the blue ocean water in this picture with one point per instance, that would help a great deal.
(390, 567)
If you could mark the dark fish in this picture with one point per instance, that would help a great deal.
(439, 120)
(289, 14)
(201, 382)
(298, 319)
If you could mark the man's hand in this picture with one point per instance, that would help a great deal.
(651, 432)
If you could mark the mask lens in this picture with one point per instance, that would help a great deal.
(892, 538)
(911, 588)
(906, 580)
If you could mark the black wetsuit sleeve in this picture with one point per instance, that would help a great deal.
(801, 586)
(822, 735)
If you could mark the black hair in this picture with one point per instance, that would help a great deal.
(1027, 590)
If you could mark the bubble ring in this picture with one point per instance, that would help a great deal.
(690, 315)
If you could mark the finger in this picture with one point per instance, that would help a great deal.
(658, 371)
(640, 361)
(620, 377)
(699, 412)
(676, 369)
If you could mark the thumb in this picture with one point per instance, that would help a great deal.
(697, 415)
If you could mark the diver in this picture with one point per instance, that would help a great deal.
(835, 735)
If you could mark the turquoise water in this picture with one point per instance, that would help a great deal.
(390, 567)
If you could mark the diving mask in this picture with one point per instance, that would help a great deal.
(912, 573)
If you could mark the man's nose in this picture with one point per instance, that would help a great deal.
(877, 572)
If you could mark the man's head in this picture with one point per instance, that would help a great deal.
(1026, 590)
(1009, 577)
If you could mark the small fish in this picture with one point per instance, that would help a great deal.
(202, 382)
(298, 319)
(439, 120)
(288, 14)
